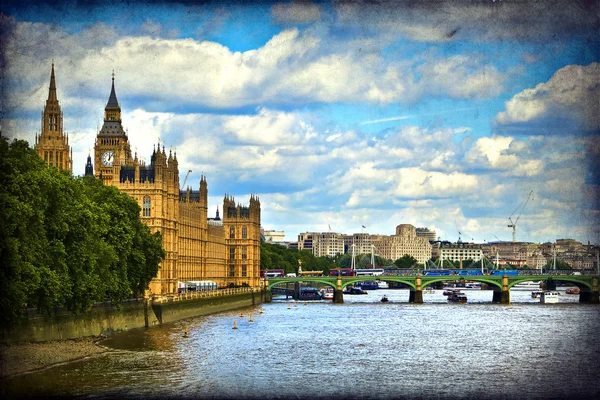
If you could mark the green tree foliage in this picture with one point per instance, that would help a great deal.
(65, 241)
(406, 261)
(559, 265)
(275, 256)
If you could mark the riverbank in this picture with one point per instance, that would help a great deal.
(18, 358)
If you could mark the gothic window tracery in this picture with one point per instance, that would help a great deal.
(146, 207)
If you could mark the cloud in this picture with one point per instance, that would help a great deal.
(570, 101)
(295, 13)
(480, 21)
(293, 68)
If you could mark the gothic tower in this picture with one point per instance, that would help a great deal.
(89, 168)
(112, 148)
(52, 145)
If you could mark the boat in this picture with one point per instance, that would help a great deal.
(367, 285)
(353, 290)
(449, 291)
(382, 285)
(472, 285)
(327, 293)
(527, 285)
(428, 290)
(384, 299)
(457, 297)
(549, 297)
(536, 294)
(573, 290)
(309, 293)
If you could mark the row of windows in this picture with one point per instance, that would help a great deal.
(232, 252)
(232, 270)
(52, 122)
(110, 141)
(146, 207)
(49, 157)
(232, 232)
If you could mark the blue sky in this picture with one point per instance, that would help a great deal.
(443, 115)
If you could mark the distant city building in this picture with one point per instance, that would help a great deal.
(456, 252)
(322, 244)
(361, 241)
(272, 236)
(426, 233)
(404, 242)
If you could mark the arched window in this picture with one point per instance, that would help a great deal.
(231, 232)
(146, 207)
(244, 232)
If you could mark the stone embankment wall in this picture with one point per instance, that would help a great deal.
(105, 318)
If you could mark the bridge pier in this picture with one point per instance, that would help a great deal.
(338, 296)
(592, 297)
(416, 296)
(550, 284)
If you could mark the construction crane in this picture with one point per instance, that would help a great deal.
(520, 207)
(185, 180)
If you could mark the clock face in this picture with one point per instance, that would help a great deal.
(107, 158)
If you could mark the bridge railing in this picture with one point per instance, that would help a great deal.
(202, 294)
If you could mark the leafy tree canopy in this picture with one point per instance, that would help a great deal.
(67, 241)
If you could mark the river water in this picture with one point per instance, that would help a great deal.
(360, 349)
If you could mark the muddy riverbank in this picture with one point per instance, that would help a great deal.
(25, 357)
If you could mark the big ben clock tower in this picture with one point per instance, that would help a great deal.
(111, 149)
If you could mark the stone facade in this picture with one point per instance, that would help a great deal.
(404, 242)
(227, 252)
(52, 145)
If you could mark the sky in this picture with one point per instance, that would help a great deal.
(342, 116)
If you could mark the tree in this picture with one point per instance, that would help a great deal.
(67, 242)
(406, 261)
(559, 265)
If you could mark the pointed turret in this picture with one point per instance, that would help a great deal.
(52, 92)
(52, 145)
(89, 168)
(113, 104)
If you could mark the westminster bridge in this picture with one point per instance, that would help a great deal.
(500, 284)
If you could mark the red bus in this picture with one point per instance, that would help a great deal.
(341, 271)
(273, 273)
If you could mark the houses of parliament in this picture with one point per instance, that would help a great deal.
(226, 251)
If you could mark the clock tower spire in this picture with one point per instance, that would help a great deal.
(112, 144)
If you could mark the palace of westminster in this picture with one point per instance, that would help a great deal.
(197, 248)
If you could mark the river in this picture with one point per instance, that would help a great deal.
(360, 349)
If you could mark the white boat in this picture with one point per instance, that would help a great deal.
(472, 285)
(327, 293)
(549, 297)
(536, 294)
(383, 285)
(528, 285)
(428, 290)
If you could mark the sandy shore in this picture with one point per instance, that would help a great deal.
(24, 357)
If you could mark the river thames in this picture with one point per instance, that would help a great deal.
(360, 349)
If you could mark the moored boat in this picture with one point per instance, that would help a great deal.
(527, 285)
(327, 293)
(536, 294)
(457, 297)
(367, 285)
(573, 290)
(309, 293)
(549, 297)
(353, 290)
(382, 285)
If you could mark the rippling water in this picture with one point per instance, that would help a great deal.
(361, 349)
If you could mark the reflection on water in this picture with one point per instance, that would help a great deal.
(361, 349)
